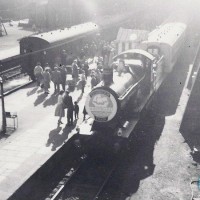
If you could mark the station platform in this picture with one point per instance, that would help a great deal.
(22, 80)
(10, 43)
(37, 138)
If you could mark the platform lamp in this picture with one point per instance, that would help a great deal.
(3, 129)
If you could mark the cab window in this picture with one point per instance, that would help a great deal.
(154, 51)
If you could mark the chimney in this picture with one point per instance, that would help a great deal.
(107, 69)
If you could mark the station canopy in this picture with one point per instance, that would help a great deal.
(131, 35)
(8, 53)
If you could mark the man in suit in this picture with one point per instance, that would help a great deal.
(68, 103)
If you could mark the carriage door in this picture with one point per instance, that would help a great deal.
(148, 82)
(155, 69)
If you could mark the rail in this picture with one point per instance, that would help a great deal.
(10, 70)
(87, 186)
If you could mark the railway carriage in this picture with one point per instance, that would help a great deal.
(47, 47)
(166, 41)
(9, 58)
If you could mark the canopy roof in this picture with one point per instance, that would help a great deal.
(8, 53)
(131, 35)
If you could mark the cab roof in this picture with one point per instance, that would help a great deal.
(136, 51)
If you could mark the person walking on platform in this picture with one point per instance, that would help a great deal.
(49, 68)
(75, 71)
(68, 103)
(93, 81)
(86, 69)
(38, 70)
(98, 76)
(63, 72)
(56, 78)
(59, 111)
(82, 54)
(64, 57)
(83, 81)
(70, 111)
(93, 50)
(66, 99)
(84, 113)
(76, 110)
(46, 80)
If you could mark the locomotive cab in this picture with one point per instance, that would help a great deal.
(140, 63)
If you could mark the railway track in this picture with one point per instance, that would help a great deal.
(11, 73)
(87, 181)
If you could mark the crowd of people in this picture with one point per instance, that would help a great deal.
(59, 78)
(79, 70)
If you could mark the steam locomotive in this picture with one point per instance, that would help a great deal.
(115, 108)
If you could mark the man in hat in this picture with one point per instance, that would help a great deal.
(68, 103)
(46, 80)
(75, 71)
(38, 70)
(63, 72)
(64, 57)
(86, 69)
(56, 78)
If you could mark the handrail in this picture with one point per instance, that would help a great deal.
(160, 59)
(130, 88)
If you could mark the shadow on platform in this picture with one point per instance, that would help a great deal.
(190, 124)
(31, 92)
(80, 97)
(40, 99)
(40, 90)
(58, 137)
(4, 136)
(138, 164)
(192, 138)
(51, 101)
(170, 92)
(10, 129)
(32, 85)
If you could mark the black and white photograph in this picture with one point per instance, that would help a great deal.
(99, 99)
